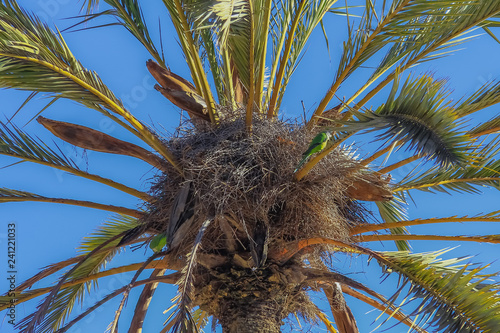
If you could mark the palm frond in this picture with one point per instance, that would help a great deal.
(190, 46)
(420, 117)
(487, 95)
(63, 302)
(30, 294)
(143, 303)
(33, 57)
(129, 15)
(293, 25)
(488, 127)
(393, 313)
(419, 30)
(489, 217)
(10, 195)
(393, 212)
(16, 143)
(493, 239)
(461, 179)
(181, 320)
(433, 30)
(171, 278)
(454, 297)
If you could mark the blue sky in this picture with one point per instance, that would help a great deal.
(47, 233)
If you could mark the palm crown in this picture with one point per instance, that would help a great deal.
(244, 227)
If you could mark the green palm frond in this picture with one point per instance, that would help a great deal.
(488, 127)
(63, 303)
(394, 211)
(129, 15)
(461, 179)
(454, 297)
(489, 217)
(33, 57)
(487, 95)
(420, 117)
(190, 44)
(10, 195)
(292, 26)
(16, 143)
(181, 319)
(231, 22)
(419, 31)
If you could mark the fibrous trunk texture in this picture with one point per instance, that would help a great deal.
(251, 316)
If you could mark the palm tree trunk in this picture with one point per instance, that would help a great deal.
(263, 316)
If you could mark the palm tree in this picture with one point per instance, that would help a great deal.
(237, 217)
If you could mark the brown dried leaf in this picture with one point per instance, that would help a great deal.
(88, 138)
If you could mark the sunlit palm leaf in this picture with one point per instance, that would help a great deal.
(487, 95)
(395, 211)
(33, 57)
(421, 31)
(454, 297)
(468, 179)
(129, 15)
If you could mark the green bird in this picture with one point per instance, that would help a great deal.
(158, 242)
(317, 144)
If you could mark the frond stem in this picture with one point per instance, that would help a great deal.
(461, 180)
(198, 67)
(393, 313)
(399, 164)
(82, 203)
(375, 238)
(389, 225)
(106, 181)
(145, 134)
(251, 70)
(340, 78)
(284, 60)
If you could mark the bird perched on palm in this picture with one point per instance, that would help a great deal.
(317, 144)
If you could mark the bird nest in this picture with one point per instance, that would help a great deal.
(246, 184)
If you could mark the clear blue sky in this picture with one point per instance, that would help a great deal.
(47, 233)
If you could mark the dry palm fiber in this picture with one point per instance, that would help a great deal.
(248, 179)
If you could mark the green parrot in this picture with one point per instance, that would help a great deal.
(158, 242)
(317, 144)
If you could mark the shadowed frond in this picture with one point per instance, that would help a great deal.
(62, 303)
(394, 211)
(419, 117)
(453, 296)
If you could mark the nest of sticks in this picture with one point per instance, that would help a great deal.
(246, 183)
